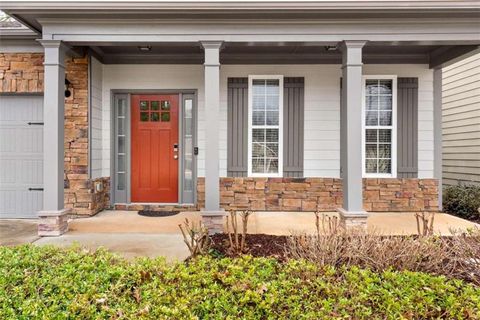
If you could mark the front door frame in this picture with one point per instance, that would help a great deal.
(183, 94)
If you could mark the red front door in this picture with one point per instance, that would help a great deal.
(154, 157)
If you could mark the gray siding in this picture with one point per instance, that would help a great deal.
(293, 123)
(461, 122)
(237, 135)
(407, 127)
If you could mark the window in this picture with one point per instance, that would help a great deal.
(265, 122)
(379, 126)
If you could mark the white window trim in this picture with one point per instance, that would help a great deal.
(280, 125)
(393, 126)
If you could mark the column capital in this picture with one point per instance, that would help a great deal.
(352, 52)
(212, 44)
(352, 44)
(55, 51)
(212, 52)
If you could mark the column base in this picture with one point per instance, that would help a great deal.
(352, 219)
(53, 223)
(213, 220)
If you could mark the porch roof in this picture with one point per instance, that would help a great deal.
(290, 32)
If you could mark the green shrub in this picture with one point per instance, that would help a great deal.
(51, 283)
(462, 201)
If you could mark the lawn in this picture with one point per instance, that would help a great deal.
(52, 283)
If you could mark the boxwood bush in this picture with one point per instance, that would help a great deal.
(462, 201)
(52, 283)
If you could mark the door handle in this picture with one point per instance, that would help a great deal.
(35, 189)
(175, 151)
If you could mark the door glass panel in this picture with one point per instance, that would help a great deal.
(121, 144)
(165, 105)
(155, 116)
(143, 105)
(165, 116)
(188, 139)
(143, 116)
(121, 181)
(155, 105)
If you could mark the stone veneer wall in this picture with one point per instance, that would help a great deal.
(322, 194)
(23, 73)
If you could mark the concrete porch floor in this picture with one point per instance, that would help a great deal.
(131, 235)
(277, 223)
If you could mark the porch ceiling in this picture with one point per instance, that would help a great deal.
(266, 53)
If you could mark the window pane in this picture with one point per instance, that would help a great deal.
(272, 118)
(258, 102)
(143, 105)
(385, 102)
(258, 87)
(121, 108)
(165, 105)
(371, 87)
(371, 165)
(272, 135)
(371, 118)
(385, 87)
(258, 135)
(121, 126)
(165, 116)
(155, 105)
(155, 116)
(121, 162)
(258, 118)
(385, 118)
(385, 135)
(121, 181)
(258, 165)
(371, 151)
(143, 116)
(188, 108)
(385, 151)
(271, 165)
(272, 102)
(371, 135)
(384, 166)
(271, 150)
(272, 87)
(371, 102)
(258, 150)
(121, 144)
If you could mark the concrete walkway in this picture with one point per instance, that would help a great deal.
(17, 231)
(129, 245)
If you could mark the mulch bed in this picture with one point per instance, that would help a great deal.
(258, 245)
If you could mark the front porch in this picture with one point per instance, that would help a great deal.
(132, 235)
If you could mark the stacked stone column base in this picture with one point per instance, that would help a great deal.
(352, 220)
(213, 221)
(53, 223)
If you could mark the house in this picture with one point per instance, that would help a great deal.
(218, 105)
(461, 122)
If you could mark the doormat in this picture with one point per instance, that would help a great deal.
(152, 213)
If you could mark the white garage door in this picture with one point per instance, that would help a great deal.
(21, 156)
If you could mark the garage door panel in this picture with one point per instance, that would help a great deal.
(21, 156)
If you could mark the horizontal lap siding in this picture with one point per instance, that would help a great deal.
(461, 122)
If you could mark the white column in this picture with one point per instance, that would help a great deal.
(437, 131)
(213, 215)
(351, 133)
(54, 124)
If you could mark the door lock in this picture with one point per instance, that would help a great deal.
(175, 151)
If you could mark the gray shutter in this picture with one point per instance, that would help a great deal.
(293, 124)
(407, 127)
(237, 127)
(237, 135)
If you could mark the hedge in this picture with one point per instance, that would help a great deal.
(462, 201)
(52, 283)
